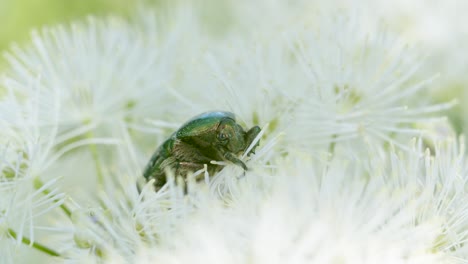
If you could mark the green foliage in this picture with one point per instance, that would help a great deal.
(19, 17)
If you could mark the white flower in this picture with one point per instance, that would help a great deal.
(338, 81)
(123, 220)
(27, 196)
(361, 84)
(439, 30)
(307, 213)
(444, 182)
(107, 71)
(316, 83)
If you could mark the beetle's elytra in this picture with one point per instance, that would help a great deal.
(206, 137)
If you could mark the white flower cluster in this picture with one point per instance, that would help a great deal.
(347, 171)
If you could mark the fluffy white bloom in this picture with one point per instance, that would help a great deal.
(335, 79)
(125, 219)
(107, 71)
(314, 81)
(309, 212)
(439, 30)
(445, 184)
(28, 136)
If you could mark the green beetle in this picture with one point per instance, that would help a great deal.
(206, 137)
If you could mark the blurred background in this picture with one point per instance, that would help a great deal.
(19, 17)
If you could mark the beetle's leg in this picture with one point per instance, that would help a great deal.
(191, 165)
(158, 171)
(249, 138)
(186, 167)
(154, 166)
(232, 158)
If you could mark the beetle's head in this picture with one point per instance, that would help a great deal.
(231, 136)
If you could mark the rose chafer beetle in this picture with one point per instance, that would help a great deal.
(206, 137)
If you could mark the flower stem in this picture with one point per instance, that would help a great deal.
(331, 147)
(97, 162)
(35, 245)
(331, 152)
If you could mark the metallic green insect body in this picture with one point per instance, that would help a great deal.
(206, 137)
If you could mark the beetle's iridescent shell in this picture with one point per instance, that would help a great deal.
(206, 137)
(202, 124)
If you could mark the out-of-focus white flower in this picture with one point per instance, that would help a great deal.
(440, 31)
(361, 84)
(28, 136)
(444, 182)
(107, 71)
